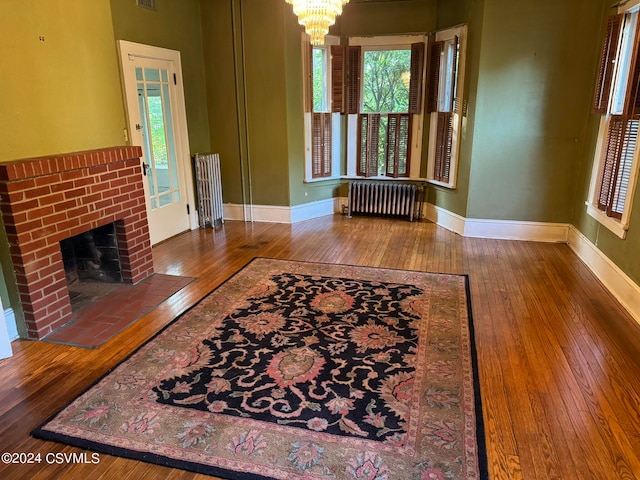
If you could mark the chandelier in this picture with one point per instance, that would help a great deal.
(316, 16)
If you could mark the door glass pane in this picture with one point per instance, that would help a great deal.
(145, 137)
(157, 123)
(152, 75)
(159, 144)
(173, 167)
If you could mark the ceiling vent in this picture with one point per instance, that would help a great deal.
(148, 4)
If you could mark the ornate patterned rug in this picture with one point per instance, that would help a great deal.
(293, 370)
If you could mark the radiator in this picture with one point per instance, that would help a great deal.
(209, 187)
(394, 199)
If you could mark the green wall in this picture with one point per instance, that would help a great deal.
(245, 57)
(223, 60)
(388, 18)
(533, 98)
(59, 81)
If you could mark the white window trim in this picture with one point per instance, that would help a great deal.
(458, 122)
(336, 130)
(417, 123)
(619, 227)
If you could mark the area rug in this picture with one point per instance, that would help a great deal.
(296, 370)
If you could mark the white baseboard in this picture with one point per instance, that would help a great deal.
(517, 230)
(280, 214)
(498, 229)
(444, 218)
(623, 288)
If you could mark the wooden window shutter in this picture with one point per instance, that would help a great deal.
(433, 78)
(621, 143)
(398, 144)
(444, 145)
(327, 145)
(415, 82)
(607, 63)
(337, 78)
(354, 56)
(320, 145)
(368, 144)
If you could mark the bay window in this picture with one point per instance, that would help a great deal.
(366, 102)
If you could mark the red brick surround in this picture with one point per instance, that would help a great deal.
(45, 200)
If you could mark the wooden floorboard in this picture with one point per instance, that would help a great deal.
(558, 357)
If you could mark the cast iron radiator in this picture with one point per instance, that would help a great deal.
(373, 198)
(209, 187)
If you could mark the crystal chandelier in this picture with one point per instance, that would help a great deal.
(316, 16)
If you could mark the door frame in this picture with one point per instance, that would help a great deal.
(127, 50)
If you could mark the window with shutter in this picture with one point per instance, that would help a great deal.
(445, 78)
(385, 85)
(617, 99)
(324, 70)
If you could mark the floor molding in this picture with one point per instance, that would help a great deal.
(498, 229)
(621, 286)
(280, 214)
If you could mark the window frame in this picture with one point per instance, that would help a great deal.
(392, 42)
(612, 109)
(444, 107)
(336, 122)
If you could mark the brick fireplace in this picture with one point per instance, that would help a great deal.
(49, 199)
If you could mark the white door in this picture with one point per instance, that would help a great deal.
(157, 123)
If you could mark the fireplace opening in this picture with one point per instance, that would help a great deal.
(92, 265)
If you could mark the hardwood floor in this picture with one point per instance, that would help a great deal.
(559, 358)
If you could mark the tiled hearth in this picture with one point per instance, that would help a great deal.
(94, 324)
(45, 200)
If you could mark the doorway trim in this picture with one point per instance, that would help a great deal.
(127, 50)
